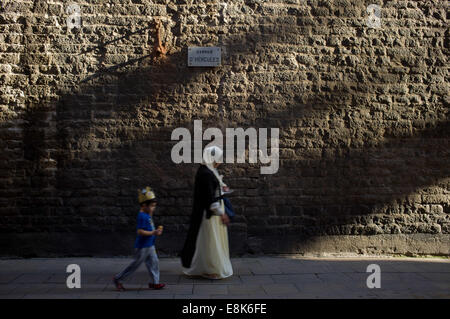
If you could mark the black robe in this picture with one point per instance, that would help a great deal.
(206, 184)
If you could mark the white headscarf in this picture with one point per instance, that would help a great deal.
(211, 155)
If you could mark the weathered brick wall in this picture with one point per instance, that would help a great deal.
(86, 116)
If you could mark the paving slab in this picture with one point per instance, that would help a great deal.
(85, 288)
(297, 278)
(340, 277)
(257, 279)
(245, 289)
(183, 289)
(194, 280)
(102, 295)
(31, 278)
(436, 277)
(280, 289)
(241, 270)
(6, 278)
(169, 278)
(210, 289)
(232, 280)
(264, 270)
(32, 288)
(191, 296)
(227, 297)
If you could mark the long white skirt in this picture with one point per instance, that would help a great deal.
(212, 257)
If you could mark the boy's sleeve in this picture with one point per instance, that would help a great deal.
(140, 222)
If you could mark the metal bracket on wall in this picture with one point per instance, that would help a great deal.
(159, 48)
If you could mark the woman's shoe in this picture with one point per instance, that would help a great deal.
(211, 276)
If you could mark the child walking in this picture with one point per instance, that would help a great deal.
(145, 242)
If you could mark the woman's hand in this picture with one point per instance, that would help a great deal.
(225, 219)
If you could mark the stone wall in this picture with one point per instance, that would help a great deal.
(87, 111)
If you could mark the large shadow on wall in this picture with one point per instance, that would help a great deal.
(123, 142)
(113, 133)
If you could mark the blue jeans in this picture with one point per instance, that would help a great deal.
(147, 255)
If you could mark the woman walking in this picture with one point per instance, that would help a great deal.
(205, 252)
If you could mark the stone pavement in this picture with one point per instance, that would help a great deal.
(254, 278)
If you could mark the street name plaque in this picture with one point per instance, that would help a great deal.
(204, 56)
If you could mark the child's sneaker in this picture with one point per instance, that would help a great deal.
(156, 286)
(119, 286)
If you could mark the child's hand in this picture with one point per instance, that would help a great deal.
(225, 219)
(159, 230)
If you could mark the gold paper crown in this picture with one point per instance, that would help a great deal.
(146, 194)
